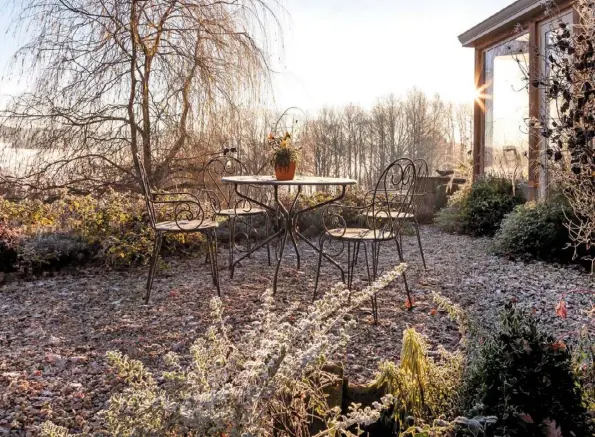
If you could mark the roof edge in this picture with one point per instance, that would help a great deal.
(504, 18)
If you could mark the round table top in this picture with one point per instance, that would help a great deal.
(298, 180)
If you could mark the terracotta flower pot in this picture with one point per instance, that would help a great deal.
(285, 174)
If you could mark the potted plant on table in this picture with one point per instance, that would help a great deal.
(285, 157)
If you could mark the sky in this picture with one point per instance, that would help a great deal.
(355, 51)
(338, 52)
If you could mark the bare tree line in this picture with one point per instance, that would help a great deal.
(343, 142)
(356, 143)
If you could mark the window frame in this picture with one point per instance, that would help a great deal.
(568, 18)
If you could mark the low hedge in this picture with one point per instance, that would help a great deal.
(111, 229)
(536, 230)
(478, 209)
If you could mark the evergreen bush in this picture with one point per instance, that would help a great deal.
(536, 230)
(479, 209)
(525, 378)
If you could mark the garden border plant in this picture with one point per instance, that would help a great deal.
(112, 229)
(525, 377)
(536, 230)
(478, 208)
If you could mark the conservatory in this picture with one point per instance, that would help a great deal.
(511, 50)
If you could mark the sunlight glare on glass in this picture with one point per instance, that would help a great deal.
(481, 95)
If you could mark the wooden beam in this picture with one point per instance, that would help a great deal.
(534, 109)
(478, 118)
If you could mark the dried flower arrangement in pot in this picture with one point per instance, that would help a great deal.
(285, 157)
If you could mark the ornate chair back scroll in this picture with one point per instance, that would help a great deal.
(392, 199)
(243, 218)
(182, 213)
(383, 213)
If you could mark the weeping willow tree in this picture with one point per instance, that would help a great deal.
(110, 80)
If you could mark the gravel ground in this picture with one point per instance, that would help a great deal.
(54, 332)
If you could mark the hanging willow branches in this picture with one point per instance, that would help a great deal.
(109, 80)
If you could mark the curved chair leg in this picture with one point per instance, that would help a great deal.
(357, 247)
(374, 301)
(153, 264)
(421, 250)
(367, 264)
(248, 225)
(318, 268)
(212, 243)
(322, 240)
(402, 260)
(352, 254)
(232, 240)
(350, 265)
(375, 252)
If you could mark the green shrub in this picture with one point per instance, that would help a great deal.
(525, 378)
(53, 251)
(536, 230)
(479, 209)
(449, 219)
(584, 364)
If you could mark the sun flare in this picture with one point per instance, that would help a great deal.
(480, 94)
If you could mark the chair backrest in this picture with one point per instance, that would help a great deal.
(147, 191)
(392, 198)
(217, 168)
(421, 174)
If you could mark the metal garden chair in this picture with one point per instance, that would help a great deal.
(384, 211)
(227, 204)
(419, 193)
(185, 214)
(421, 172)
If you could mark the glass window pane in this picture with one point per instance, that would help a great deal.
(507, 108)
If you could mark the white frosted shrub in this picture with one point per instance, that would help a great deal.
(270, 377)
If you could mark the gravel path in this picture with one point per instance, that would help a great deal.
(54, 332)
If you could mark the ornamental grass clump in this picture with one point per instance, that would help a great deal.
(422, 388)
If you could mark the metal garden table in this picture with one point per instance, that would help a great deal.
(289, 229)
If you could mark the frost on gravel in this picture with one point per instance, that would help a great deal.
(54, 332)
